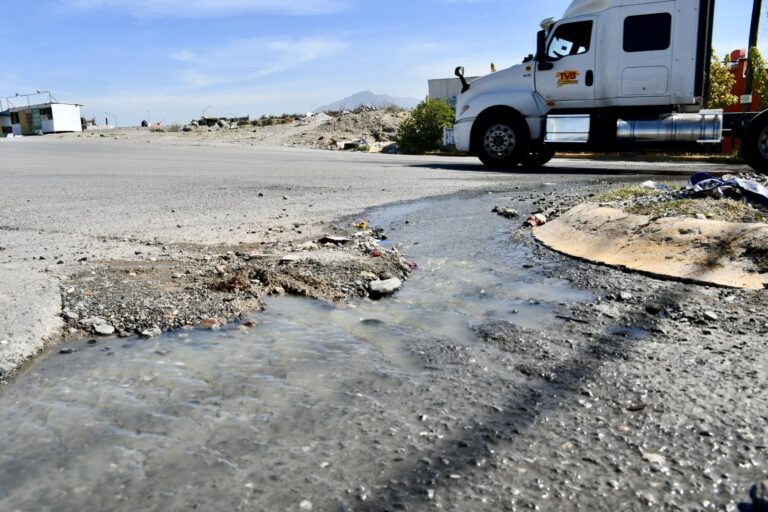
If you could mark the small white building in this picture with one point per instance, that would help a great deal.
(446, 89)
(42, 118)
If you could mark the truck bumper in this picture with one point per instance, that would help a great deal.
(462, 132)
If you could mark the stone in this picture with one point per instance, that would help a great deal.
(759, 495)
(92, 321)
(210, 323)
(305, 505)
(654, 308)
(654, 458)
(151, 332)
(67, 351)
(509, 213)
(711, 315)
(625, 296)
(104, 329)
(378, 289)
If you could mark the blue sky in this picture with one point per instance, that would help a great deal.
(170, 59)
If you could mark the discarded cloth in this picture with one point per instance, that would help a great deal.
(706, 185)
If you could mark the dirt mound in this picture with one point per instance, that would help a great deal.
(372, 128)
(696, 250)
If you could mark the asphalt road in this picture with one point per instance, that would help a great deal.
(67, 199)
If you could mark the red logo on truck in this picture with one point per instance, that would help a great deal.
(567, 78)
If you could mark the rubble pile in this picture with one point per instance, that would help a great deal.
(373, 129)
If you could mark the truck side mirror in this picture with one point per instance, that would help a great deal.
(541, 56)
(459, 72)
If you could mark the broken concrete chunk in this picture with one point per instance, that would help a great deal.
(104, 329)
(509, 213)
(378, 289)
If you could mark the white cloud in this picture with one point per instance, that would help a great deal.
(246, 59)
(197, 8)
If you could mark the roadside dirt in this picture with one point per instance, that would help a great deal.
(373, 130)
(210, 286)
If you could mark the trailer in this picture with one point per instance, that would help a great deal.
(610, 75)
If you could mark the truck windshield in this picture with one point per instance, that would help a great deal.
(570, 39)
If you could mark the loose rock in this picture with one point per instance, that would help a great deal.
(378, 289)
(104, 329)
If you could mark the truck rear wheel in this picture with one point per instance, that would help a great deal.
(756, 143)
(538, 157)
(501, 143)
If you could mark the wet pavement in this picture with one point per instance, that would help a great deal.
(490, 382)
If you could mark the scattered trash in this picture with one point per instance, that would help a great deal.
(378, 234)
(509, 213)
(376, 254)
(537, 219)
(656, 186)
(706, 185)
(361, 225)
(335, 240)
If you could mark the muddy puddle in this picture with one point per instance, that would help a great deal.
(306, 410)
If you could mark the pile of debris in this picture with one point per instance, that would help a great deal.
(362, 130)
(734, 198)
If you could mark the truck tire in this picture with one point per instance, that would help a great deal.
(538, 157)
(501, 143)
(756, 143)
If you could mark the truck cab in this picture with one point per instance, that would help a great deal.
(609, 75)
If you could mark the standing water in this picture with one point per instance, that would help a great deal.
(301, 412)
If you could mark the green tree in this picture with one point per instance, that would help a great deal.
(721, 83)
(760, 77)
(422, 130)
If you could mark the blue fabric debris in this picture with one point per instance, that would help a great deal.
(706, 185)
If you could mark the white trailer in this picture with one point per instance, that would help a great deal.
(611, 75)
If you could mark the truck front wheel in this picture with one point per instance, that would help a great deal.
(501, 143)
(756, 143)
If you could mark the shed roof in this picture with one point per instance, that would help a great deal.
(40, 105)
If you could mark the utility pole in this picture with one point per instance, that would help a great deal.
(757, 8)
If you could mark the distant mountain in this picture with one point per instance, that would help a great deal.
(367, 98)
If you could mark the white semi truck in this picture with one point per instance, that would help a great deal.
(611, 75)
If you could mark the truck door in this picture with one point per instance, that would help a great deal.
(570, 52)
